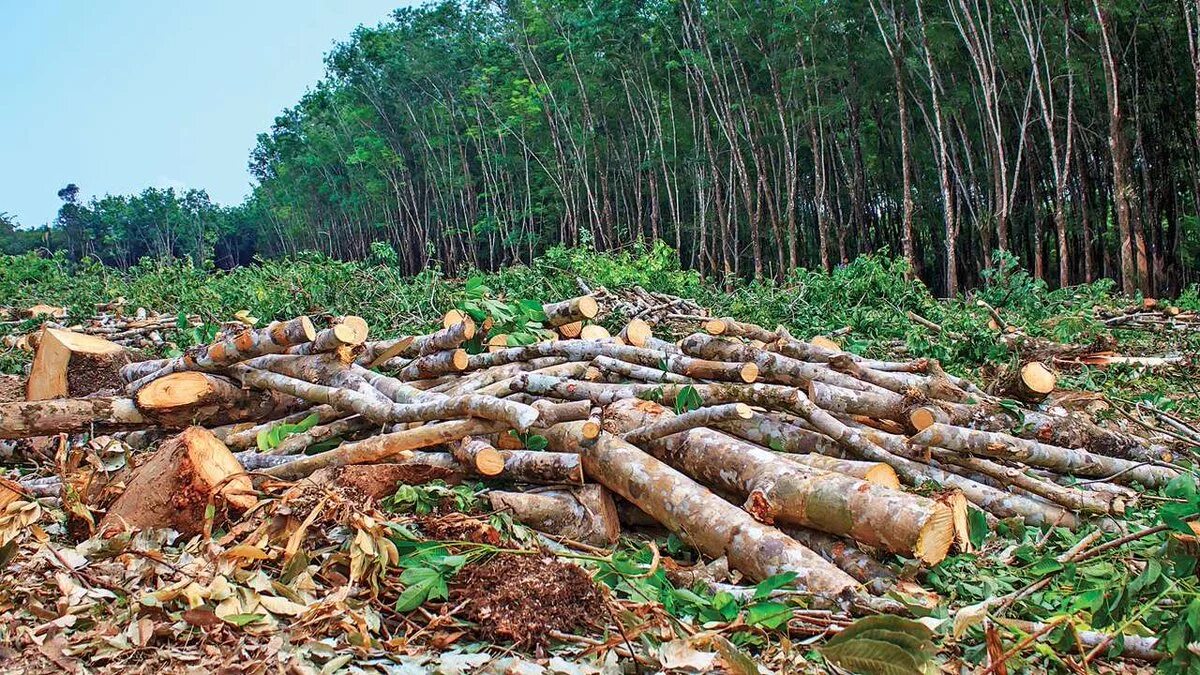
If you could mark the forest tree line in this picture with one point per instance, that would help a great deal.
(753, 137)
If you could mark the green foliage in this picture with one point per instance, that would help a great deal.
(882, 645)
(424, 499)
(269, 439)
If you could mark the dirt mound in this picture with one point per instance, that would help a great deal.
(12, 388)
(522, 599)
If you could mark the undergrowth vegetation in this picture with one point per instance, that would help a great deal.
(1146, 588)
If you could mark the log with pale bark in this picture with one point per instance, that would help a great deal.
(1073, 461)
(582, 308)
(777, 489)
(586, 514)
(712, 525)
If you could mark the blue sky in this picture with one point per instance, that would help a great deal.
(116, 95)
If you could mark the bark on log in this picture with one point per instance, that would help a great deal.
(245, 435)
(914, 469)
(776, 489)
(877, 473)
(191, 398)
(346, 333)
(701, 417)
(633, 371)
(586, 350)
(1079, 500)
(478, 455)
(1069, 431)
(775, 368)
(298, 443)
(707, 522)
(1077, 462)
(586, 514)
(25, 419)
(433, 365)
(876, 576)
(385, 447)
(175, 486)
(73, 365)
(582, 308)
(274, 339)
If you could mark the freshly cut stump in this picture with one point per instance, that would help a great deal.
(176, 485)
(1033, 383)
(72, 365)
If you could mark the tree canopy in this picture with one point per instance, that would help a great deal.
(754, 138)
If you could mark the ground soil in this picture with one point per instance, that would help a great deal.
(523, 598)
(12, 388)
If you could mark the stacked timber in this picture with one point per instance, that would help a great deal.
(774, 453)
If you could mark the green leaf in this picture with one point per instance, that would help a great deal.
(773, 583)
(977, 527)
(883, 622)
(872, 657)
(768, 614)
(240, 620)
(687, 399)
(419, 581)
(536, 442)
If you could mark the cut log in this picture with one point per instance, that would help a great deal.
(775, 368)
(637, 333)
(478, 455)
(571, 330)
(876, 576)
(586, 514)
(346, 332)
(707, 522)
(586, 350)
(274, 339)
(1080, 500)
(878, 473)
(497, 343)
(701, 417)
(176, 485)
(1073, 461)
(73, 365)
(916, 469)
(1032, 383)
(385, 447)
(183, 399)
(633, 371)
(25, 419)
(730, 327)
(433, 365)
(568, 311)
(776, 489)
(594, 332)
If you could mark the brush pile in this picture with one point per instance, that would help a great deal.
(769, 453)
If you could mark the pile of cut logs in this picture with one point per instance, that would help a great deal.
(113, 321)
(774, 453)
(1151, 315)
